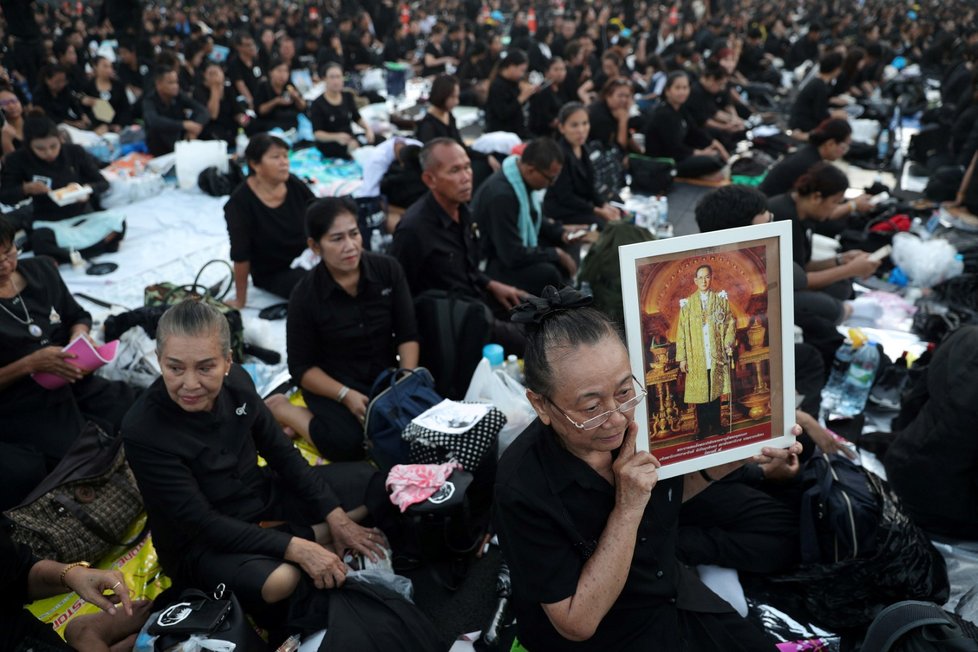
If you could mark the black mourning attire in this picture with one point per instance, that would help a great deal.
(334, 118)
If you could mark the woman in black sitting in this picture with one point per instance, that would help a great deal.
(42, 164)
(349, 319)
(105, 86)
(508, 92)
(439, 122)
(193, 440)
(277, 101)
(38, 317)
(672, 133)
(216, 93)
(333, 115)
(264, 219)
(572, 198)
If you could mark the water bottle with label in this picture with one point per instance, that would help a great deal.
(241, 144)
(859, 380)
(376, 241)
(832, 392)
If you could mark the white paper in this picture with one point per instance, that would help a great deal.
(452, 417)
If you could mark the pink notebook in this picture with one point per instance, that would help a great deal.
(89, 358)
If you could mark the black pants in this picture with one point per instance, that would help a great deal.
(337, 434)
(737, 526)
(280, 283)
(708, 419)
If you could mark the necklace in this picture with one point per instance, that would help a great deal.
(28, 321)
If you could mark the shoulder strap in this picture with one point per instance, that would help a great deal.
(897, 620)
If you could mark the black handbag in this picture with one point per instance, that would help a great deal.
(218, 617)
(651, 176)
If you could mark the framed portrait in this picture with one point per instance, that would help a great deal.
(710, 331)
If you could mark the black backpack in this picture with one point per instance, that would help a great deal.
(216, 183)
(840, 511)
(912, 626)
(452, 330)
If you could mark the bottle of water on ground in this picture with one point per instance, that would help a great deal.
(833, 389)
(859, 380)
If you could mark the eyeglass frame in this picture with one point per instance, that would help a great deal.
(604, 416)
(550, 179)
(11, 255)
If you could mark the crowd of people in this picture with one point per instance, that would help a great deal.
(600, 550)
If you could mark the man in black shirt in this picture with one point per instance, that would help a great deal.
(709, 103)
(436, 241)
(244, 71)
(171, 115)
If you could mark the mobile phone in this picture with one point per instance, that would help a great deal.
(544, 84)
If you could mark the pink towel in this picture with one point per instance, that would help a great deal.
(416, 483)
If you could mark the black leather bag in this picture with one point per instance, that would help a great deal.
(218, 617)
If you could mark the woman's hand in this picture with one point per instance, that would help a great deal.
(91, 583)
(779, 464)
(508, 296)
(52, 360)
(608, 212)
(349, 535)
(356, 403)
(636, 473)
(862, 265)
(35, 188)
(822, 437)
(325, 568)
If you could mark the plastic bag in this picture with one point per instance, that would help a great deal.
(386, 578)
(926, 262)
(195, 156)
(509, 397)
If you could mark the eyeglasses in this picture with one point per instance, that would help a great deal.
(550, 178)
(598, 421)
(10, 256)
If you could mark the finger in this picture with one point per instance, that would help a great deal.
(93, 596)
(630, 443)
(121, 590)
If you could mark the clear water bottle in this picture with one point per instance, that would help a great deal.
(586, 289)
(376, 241)
(859, 380)
(883, 145)
(663, 212)
(512, 368)
(832, 392)
(241, 144)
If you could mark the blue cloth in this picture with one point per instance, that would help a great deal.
(529, 227)
(84, 231)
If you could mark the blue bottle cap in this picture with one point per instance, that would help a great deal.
(493, 353)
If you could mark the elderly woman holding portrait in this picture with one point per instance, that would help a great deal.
(588, 529)
(193, 441)
(264, 221)
(350, 318)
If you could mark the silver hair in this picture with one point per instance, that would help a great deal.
(193, 318)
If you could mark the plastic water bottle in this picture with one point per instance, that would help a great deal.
(832, 392)
(859, 380)
(512, 368)
(663, 212)
(376, 241)
(883, 145)
(586, 289)
(241, 144)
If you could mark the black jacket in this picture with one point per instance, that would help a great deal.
(572, 196)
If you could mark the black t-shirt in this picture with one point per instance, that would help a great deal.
(224, 127)
(251, 75)
(61, 107)
(551, 511)
(604, 126)
(116, 97)
(673, 134)
(430, 127)
(334, 118)
(352, 339)
(73, 165)
(437, 53)
(199, 476)
(544, 107)
(783, 208)
(781, 178)
(703, 105)
(269, 238)
(811, 106)
(284, 117)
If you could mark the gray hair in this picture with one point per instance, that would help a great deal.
(427, 158)
(193, 318)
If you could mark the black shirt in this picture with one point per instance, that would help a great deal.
(249, 74)
(270, 238)
(604, 126)
(224, 126)
(783, 208)
(572, 196)
(61, 107)
(199, 476)
(703, 105)
(496, 210)
(52, 307)
(781, 178)
(17, 563)
(430, 127)
(164, 120)
(438, 253)
(673, 134)
(353, 339)
(73, 165)
(284, 117)
(811, 106)
(544, 107)
(551, 510)
(437, 52)
(334, 119)
(503, 110)
(117, 98)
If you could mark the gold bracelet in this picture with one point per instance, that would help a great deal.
(64, 571)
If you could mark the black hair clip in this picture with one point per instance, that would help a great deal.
(534, 310)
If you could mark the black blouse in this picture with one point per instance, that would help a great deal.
(544, 107)
(334, 119)
(503, 110)
(811, 106)
(673, 134)
(284, 117)
(199, 476)
(783, 208)
(117, 98)
(551, 510)
(572, 195)
(350, 338)
(604, 126)
(52, 307)
(73, 165)
(269, 238)
(430, 127)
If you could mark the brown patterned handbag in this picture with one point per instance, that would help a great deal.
(84, 506)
